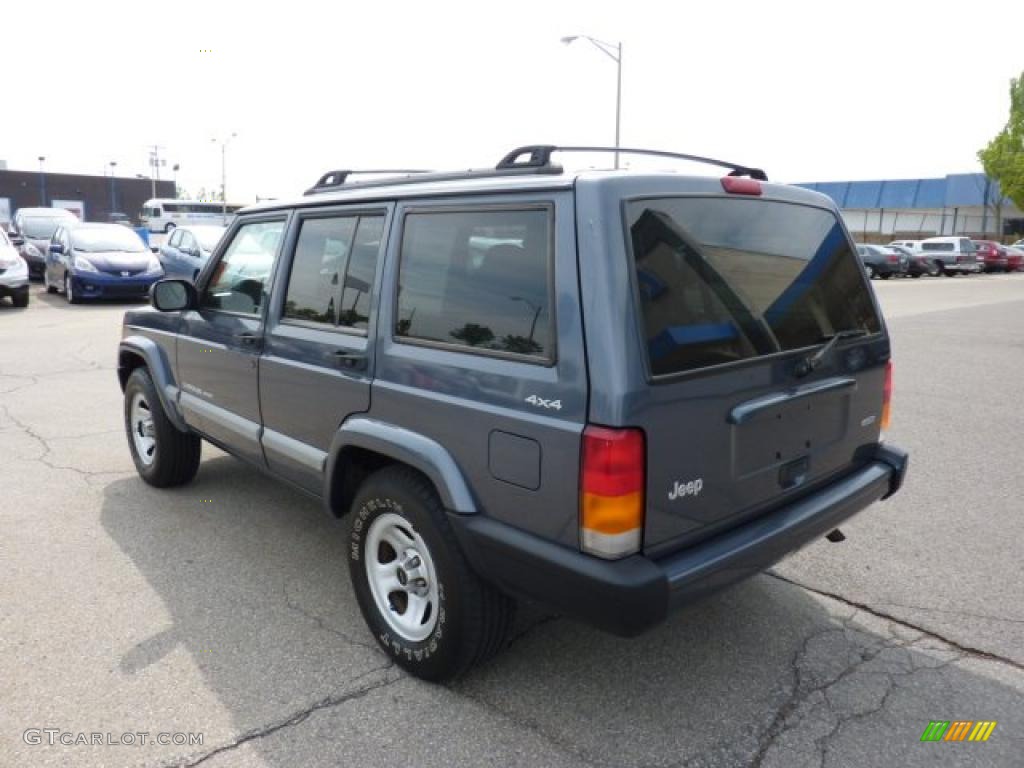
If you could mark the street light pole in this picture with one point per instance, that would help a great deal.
(614, 52)
(224, 177)
(42, 182)
(113, 191)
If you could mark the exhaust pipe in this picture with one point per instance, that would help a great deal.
(835, 536)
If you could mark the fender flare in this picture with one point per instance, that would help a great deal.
(403, 445)
(159, 370)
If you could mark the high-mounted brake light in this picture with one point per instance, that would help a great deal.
(737, 185)
(887, 396)
(612, 491)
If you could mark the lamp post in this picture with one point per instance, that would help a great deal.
(175, 169)
(536, 312)
(614, 52)
(224, 177)
(113, 189)
(42, 181)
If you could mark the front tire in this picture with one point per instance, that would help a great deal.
(163, 456)
(424, 605)
(20, 299)
(69, 293)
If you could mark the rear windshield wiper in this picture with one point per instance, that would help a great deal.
(811, 362)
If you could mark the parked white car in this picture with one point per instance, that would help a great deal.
(13, 273)
(954, 255)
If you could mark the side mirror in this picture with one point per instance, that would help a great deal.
(173, 295)
(56, 247)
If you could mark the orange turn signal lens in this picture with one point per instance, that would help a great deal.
(887, 396)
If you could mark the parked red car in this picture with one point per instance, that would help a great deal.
(1014, 259)
(992, 254)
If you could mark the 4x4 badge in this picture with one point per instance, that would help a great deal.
(540, 402)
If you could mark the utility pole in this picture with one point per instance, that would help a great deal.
(154, 166)
(224, 176)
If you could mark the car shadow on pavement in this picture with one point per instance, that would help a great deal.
(250, 580)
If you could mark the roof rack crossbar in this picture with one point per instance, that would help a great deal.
(539, 156)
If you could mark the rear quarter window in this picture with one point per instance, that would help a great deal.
(721, 280)
(478, 280)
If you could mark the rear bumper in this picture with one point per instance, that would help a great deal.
(627, 596)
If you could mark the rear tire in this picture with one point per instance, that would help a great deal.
(468, 620)
(885, 275)
(871, 272)
(50, 288)
(20, 299)
(174, 459)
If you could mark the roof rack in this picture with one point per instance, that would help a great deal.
(537, 162)
(333, 179)
(539, 156)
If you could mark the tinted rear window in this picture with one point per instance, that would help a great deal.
(722, 280)
(938, 247)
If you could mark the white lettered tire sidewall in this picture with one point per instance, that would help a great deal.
(436, 650)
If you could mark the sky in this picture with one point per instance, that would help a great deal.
(810, 91)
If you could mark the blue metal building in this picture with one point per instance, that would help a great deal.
(967, 203)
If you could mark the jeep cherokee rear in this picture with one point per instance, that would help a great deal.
(608, 392)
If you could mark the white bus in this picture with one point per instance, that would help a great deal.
(162, 214)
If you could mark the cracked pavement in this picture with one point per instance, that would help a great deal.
(224, 607)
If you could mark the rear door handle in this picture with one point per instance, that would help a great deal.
(248, 339)
(354, 360)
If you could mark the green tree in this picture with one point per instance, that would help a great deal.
(1003, 158)
(473, 334)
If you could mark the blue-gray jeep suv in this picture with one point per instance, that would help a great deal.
(609, 392)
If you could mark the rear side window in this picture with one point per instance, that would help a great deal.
(478, 280)
(317, 267)
(723, 280)
(333, 270)
(938, 247)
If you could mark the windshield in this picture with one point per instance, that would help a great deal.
(208, 236)
(41, 227)
(721, 280)
(103, 239)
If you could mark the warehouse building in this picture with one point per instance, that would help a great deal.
(965, 203)
(92, 198)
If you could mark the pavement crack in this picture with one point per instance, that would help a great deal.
(47, 449)
(296, 718)
(323, 625)
(965, 649)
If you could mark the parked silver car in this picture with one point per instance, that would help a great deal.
(954, 255)
(188, 248)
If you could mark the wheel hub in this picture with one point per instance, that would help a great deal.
(402, 577)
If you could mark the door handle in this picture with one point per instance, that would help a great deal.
(248, 339)
(354, 360)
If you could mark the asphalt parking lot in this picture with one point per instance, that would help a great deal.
(223, 608)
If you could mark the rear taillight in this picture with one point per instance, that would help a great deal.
(887, 396)
(737, 185)
(894, 258)
(612, 491)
